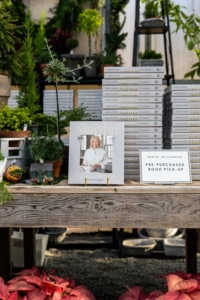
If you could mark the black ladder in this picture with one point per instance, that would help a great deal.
(165, 30)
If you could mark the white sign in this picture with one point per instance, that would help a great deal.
(165, 166)
(96, 152)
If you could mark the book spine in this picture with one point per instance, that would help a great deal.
(131, 130)
(132, 106)
(132, 88)
(186, 129)
(133, 112)
(142, 147)
(185, 142)
(133, 69)
(131, 82)
(182, 87)
(143, 142)
(132, 100)
(132, 94)
(143, 135)
(133, 76)
(131, 118)
(183, 105)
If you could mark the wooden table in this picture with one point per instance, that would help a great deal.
(132, 205)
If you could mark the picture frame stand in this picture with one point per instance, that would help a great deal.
(85, 181)
(107, 181)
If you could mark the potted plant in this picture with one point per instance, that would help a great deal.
(14, 121)
(9, 57)
(89, 22)
(152, 14)
(48, 148)
(107, 59)
(72, 60)
(150, 58)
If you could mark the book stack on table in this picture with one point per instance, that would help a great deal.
(134, 95)
(182, 123)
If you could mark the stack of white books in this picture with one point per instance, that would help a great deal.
(134, 95)
(182, 127)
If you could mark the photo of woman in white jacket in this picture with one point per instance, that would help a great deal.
(95, 156)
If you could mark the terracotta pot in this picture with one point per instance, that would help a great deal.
(102, 68)
(56, 167)
(14, 134)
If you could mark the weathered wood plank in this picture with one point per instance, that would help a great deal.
(93, 210)
(134, 188)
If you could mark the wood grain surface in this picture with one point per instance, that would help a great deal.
(128, 206)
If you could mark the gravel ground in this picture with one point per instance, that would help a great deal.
(107, 275)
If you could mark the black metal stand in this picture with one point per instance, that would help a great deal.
(164, 30)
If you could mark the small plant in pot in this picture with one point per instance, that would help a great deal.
(150, 58)
(152, 14)
(89, 21)
(47, 148)
(72, 60)
(13, 121)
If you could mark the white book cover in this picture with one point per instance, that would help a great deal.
(96, 152)
(134, 100)
(132, 106)
(131, 118)
(182, 87)
(132, 88)
(132, 93)
(131, 82)
(132, 112)
(133, 75)
(131, 130)
(142, 135)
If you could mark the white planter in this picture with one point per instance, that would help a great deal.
(17, 248)
(161, 232)
(2, 168)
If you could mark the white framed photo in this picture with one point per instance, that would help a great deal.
(96, 152)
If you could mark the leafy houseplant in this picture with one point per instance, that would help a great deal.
(89, 21)
(71, 44)
(56, 71)
(46, 148)
(13, 119)
(150, 58)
